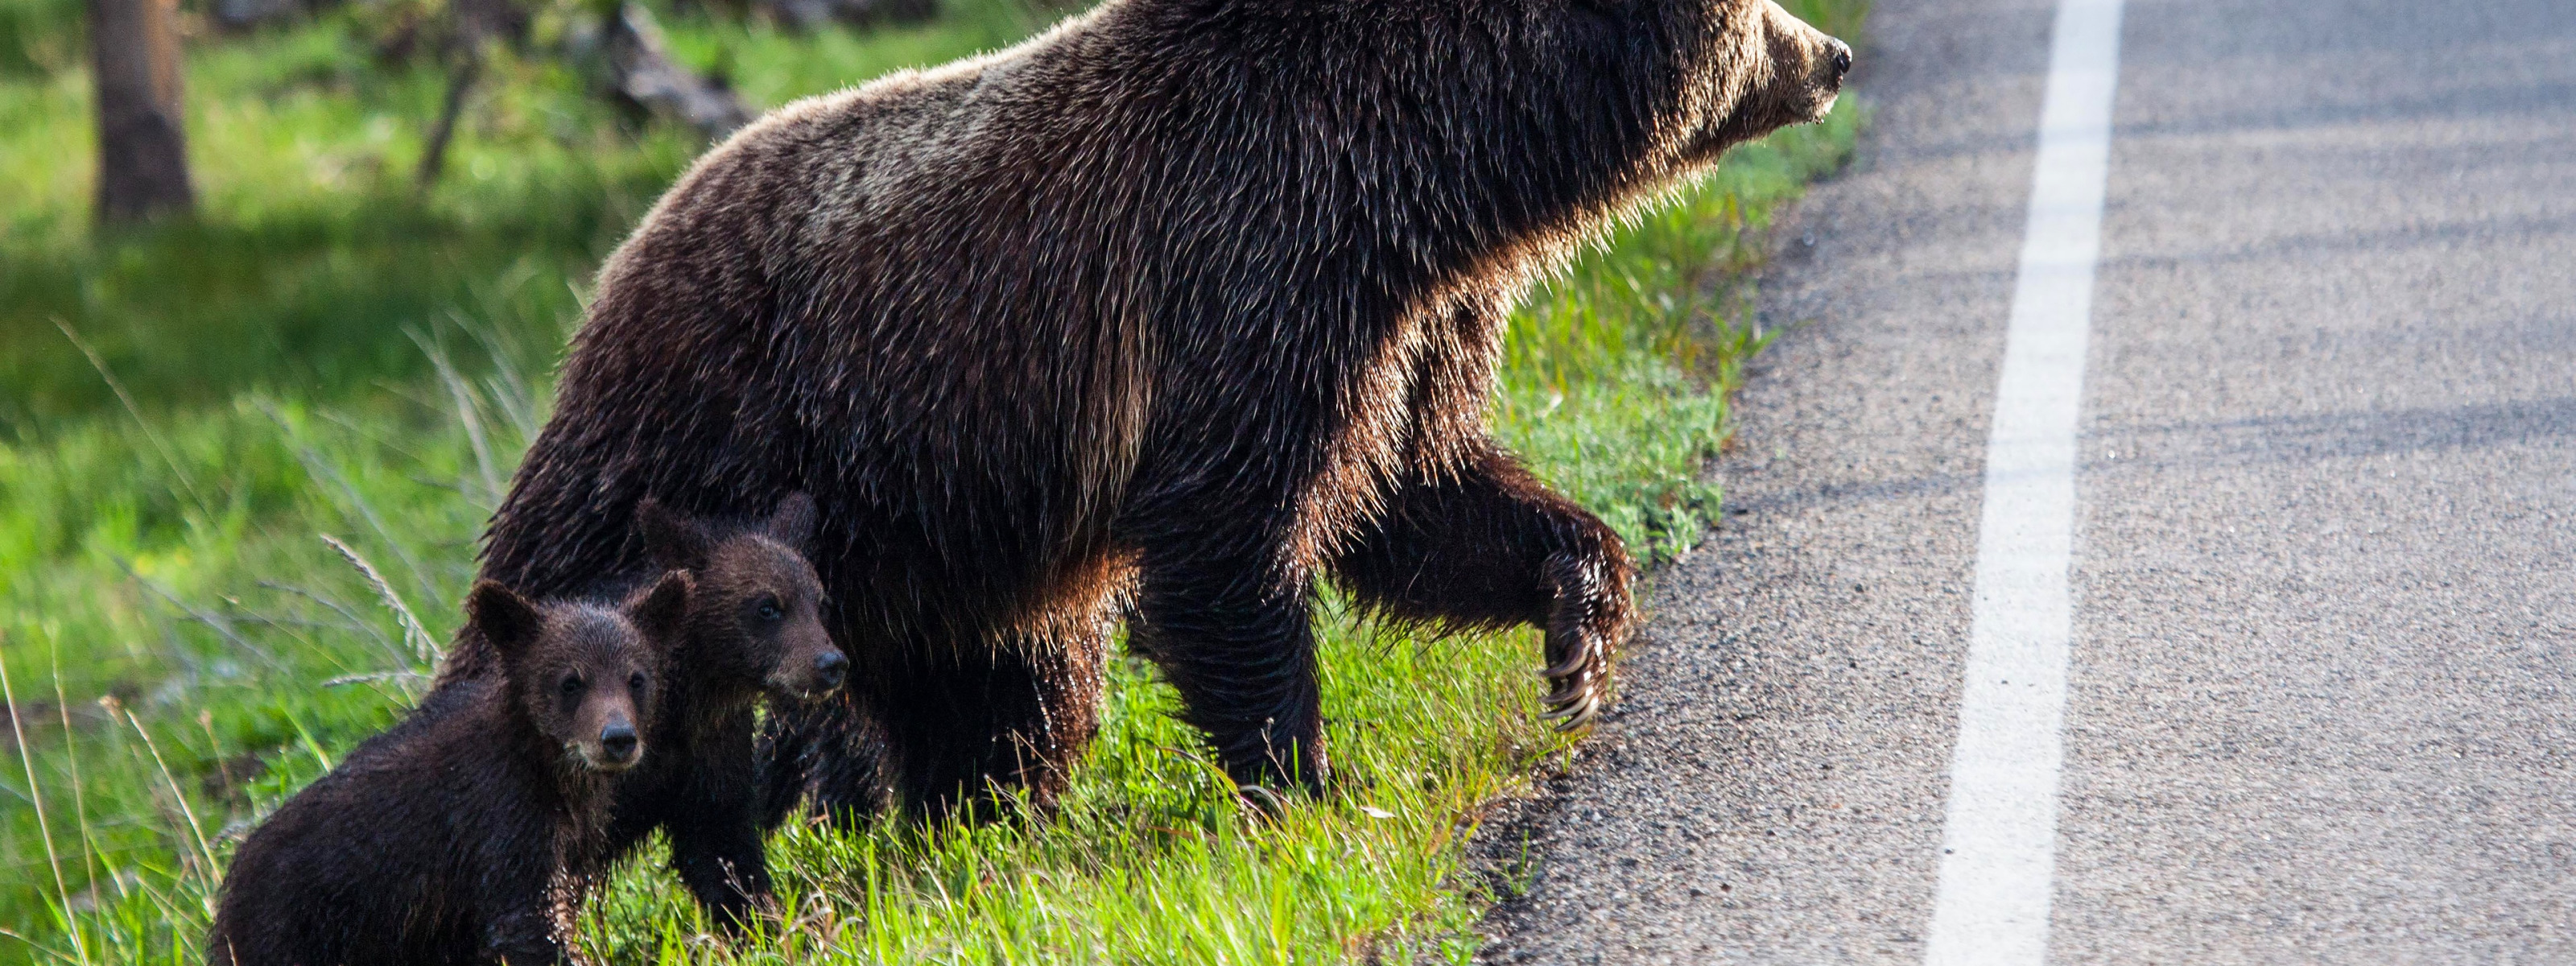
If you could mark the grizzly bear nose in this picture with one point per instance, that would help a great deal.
(618, 740)
(1841, 57)
(828, 669)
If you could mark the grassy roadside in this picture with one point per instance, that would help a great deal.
(170, 620)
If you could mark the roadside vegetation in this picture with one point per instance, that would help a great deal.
(243, 461)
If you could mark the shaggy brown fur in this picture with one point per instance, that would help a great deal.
(754, 628)
(1167, 313)
(469, 836)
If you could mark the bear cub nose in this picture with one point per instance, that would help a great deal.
(828, 669)
(618, 741)
(1841, 57)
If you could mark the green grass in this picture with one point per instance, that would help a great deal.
(313, 249)
(321, 356)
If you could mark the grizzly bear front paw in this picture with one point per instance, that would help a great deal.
(1590, 618)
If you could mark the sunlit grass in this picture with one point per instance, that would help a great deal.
(313, 249)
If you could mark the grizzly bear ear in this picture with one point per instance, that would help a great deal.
(675, 541)
(793, 523)
(661, 611)
(504, 618)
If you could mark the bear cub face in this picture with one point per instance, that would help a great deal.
(586, 677)
(756, 617)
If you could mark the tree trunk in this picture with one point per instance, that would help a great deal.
(477, 22)
(642, 73)
(142, 153)
(460, 82)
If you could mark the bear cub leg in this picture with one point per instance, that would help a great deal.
(714, 827)
(755, 634)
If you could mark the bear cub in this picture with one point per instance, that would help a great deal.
(471, 834)
(754, 630)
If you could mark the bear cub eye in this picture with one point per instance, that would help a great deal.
(635, 682)
(769, 609)
(571, 685)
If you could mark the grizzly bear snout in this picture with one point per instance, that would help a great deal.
(1809, 65)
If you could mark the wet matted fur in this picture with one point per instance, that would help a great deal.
(471, 835)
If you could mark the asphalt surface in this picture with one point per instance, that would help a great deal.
(2322, 697)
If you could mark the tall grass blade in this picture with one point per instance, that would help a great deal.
(80, 792)
(36, 797)
(334, 606)
(423, 648)
(169, 457)
(39, 947)
(322, 471)
(216, 622)
(205, 850)
(509, 387)
(468, 412)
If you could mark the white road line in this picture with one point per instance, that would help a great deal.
(1999, 847)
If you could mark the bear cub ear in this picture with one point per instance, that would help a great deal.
(792, 524)
(675, 540)
(662, 612)
(505, 619)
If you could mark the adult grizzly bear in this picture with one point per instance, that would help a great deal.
(1162, 314)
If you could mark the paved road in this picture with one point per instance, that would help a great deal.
(2320, 704)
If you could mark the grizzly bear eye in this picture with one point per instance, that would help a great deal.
(571, 685)
(635, 682)
(769, 609)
